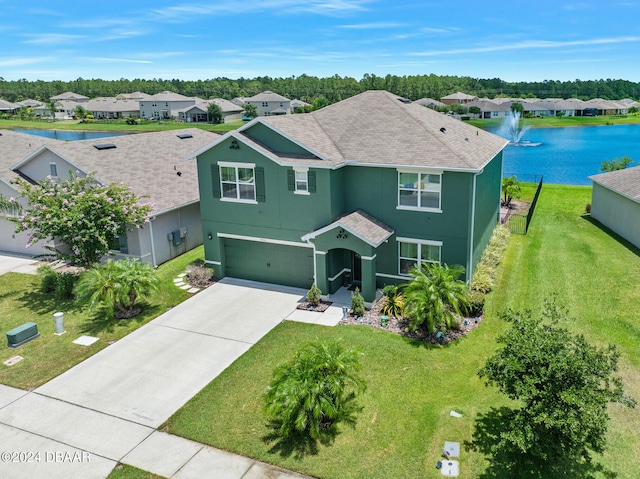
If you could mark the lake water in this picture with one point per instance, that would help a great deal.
(570, 155)
(70, 135)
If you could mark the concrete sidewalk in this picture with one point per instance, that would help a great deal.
(106, 409)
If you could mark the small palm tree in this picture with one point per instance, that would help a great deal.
(315, 391)
(117, 285)
(510, 190)
(434, 295)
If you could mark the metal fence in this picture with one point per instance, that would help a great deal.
(519, 224)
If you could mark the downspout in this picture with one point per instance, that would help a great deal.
(473, 224)
(153, 248)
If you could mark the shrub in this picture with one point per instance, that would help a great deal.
(313, 295)
(394, 301)
(476, 304)
(198, 274)
(484, 273)
(60, 285)
(482, 280)
(65, 283)
(314, 391)
(48, 279)
(357, 303)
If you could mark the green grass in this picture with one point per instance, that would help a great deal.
(49, 355)
(117, 125)
(412, 387)
(122, 471)
(554, 121)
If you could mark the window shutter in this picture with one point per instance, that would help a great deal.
(215, 181)
(311, 178)
(260, 190)
(291, 180)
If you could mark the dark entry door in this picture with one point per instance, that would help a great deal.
(356, 268)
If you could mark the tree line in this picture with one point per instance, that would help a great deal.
(333, 88)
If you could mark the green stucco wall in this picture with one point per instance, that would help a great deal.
(285, 216)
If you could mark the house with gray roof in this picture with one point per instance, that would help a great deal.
(615, 202)
(149, 163)
(429, 103)
(8, 107)
(457, 97)
(356, 193)
(164, 105)
(199, 110)
(109, 108)
(269, 103)
(70, 96)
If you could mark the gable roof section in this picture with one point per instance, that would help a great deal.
(70, 96)
(360, 224)
(147, 162)
(267, 96)
(625, 182)
(375, 128)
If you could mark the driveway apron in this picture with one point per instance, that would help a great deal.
(113, 401)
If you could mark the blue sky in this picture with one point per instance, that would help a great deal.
(514, 41)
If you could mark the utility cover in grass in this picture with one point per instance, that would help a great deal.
(13, 360)
(453, 448)
(450, 468)
(85, 340)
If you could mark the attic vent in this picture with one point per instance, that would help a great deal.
(443, 129)
(404, 100)
(104, 146)
(184, 136)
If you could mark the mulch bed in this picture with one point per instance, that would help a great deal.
(320, 308)
(400, 326)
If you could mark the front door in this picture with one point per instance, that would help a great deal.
(356, 268)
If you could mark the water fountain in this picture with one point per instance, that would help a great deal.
(510, 129)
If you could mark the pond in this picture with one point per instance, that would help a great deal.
(570, 155)
(69, 135)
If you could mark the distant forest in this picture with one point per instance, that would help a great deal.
(335, 88)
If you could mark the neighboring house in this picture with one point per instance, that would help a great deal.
(8, 107)
(108, 108)
(358, 192)
(269, 103)
(199, 110)
(70, 96)
(298, 103)
(164, 105)
(136, 95)
(615, 202)
(490, 109)
(457, 97)
(39, 108)
(149, 163)
(429, 103)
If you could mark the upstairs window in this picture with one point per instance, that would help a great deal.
(238, 182)
(302, 181)
(419, 190)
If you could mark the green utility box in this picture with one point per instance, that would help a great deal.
(21, 334)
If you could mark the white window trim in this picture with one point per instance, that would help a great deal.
(420, 208)
(301, 169)
(236, 165)
(420, 243)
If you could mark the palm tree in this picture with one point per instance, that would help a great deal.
(117, 285)
(316, 390)
(434, 295)
(510, 190)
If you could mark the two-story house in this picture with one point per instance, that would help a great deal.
(269, 103)
(358, 192)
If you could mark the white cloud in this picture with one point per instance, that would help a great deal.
(53, 38)
(371, 26)
(16, 62)
(530, 44)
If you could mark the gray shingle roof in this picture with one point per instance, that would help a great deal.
(266, 96)
(360, 224)
(625, 182)
(375, 127)
(69, 95)
(144, 161)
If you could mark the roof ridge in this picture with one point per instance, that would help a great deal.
(344, 158)
(409, 112)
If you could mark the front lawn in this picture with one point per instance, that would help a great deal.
(119, 126)
(413, 387)
(49, 355)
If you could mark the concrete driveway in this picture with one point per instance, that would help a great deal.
(111, 403)
(19, 264)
